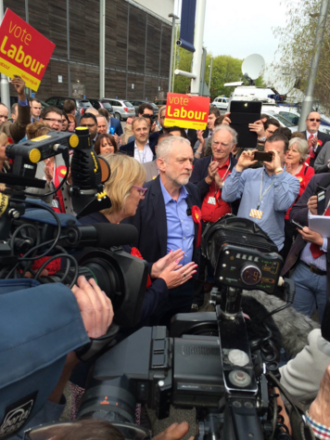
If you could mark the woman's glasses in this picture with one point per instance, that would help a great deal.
(141, 191)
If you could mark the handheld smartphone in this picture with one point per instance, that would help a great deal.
(298, 225)
(262, 156)
(320, 192)
(243, 113)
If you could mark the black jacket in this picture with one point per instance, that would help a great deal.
(299, 213)
(150, 221)
(323, 138)
(200, 172)
(129, 148)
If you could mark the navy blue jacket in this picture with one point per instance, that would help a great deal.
(150, 221)
(200, 171)
(117, 126)
(156, 293)
(129, 148)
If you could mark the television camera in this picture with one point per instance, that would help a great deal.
(31, 232)
(206, 360)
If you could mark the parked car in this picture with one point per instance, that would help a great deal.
(282, 120)
(137, 103)
(101, 103)
(43, 104)
(160, 102)
(292, 114)
(220, 102)
(122, 109)
(81, 104)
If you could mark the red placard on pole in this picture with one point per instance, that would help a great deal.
(186, 111)
(23, 50)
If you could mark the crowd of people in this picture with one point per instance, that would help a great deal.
(170, 183)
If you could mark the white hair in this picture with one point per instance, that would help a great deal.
(229, 129)
(302, 146)
(164, 147)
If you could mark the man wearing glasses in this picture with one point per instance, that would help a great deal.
(52, 116)
(315, 138)
(89, 120)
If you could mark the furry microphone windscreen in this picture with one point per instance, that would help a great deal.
(294, 327)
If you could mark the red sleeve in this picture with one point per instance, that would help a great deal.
(306, 178)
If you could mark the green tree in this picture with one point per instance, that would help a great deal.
(296, 48)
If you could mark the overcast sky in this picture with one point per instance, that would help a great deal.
(242, 27)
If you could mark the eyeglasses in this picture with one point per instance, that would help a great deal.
(59, 121)
(149, 116)
(141, 191)
(314, 119)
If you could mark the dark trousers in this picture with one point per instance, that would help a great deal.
(179, 301)
(290, 231)
(200, 280)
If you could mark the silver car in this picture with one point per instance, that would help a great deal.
(221, 102)
(122, 109)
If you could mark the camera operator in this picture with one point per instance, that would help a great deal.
(267, 192)
(38, 358)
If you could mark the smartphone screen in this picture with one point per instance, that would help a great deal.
(262, 156)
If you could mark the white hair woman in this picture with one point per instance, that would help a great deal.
(295, 164)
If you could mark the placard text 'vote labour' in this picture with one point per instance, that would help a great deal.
(16, 52)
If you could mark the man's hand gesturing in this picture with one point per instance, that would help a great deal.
(95, 307)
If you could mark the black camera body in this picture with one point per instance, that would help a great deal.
(206, 360)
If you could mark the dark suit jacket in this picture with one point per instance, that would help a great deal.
(299, 213)
(129, 148)
(199, 173)
(151, 170)
(150, 221)
(156, 293)
(323, 138)
(192, 136)
(116, 125)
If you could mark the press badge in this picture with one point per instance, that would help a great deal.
(211, 201)
(255, 213)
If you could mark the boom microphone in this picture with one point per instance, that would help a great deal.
(104, 235)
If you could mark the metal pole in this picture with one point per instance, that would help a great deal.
(102, 49)
(198, 43)
(128, 12)
(174, 17)
(5, 95)
(68, 45)
(210, 75)
(201, 86)
(27, 90)
(308, 101)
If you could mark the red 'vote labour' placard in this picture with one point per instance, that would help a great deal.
(23, 50)
(186, 111)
